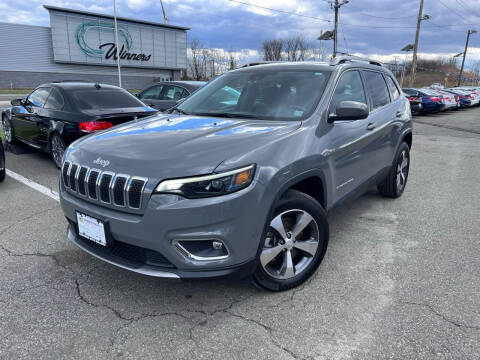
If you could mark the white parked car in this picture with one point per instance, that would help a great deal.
(449, 99)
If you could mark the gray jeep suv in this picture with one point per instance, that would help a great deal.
(237, 179)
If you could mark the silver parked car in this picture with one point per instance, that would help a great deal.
(237, 179)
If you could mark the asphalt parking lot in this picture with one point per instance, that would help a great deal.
(400, 279)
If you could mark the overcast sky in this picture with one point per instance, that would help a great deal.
(370, 27)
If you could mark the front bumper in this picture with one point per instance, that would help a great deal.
(144, 243)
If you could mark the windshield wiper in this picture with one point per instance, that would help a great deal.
(179, 111)
(228, 115)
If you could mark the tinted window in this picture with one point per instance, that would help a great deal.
(173, 93)
(87, 99)
(393, 88)
(377, 88)
(349, 88)
(410, 92)
(55, 100)
(152, 93)
(39, 96)
(281, 94)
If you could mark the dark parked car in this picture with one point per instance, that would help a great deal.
(431, 102)
(164, 95)
(235, 186)
(2, 162)
(415, 100)
(56, 114)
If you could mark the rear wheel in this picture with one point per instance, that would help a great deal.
(395, 182)
(57, 148)
(295, 243)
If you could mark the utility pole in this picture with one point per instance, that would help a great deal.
(336, 7)
(415, 46)
(469, 32)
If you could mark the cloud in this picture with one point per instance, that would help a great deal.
(380, 28)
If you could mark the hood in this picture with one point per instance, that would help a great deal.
(169, 146)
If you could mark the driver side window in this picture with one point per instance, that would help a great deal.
(349, 88)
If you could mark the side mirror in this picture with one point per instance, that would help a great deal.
(17, 102)
(349, 110)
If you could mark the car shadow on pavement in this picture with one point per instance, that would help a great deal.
(134, 294)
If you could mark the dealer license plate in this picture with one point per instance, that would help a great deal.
(91, 228)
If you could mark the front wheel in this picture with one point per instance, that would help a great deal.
(57, 148)
(396, 180)
(2, 162)
(295, 242)
(8, 130)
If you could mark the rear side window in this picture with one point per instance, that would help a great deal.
(349, 88)
(394, 92)
(377, 88)
(171, 92)
(39, 96)
(89, 99)
(55, 100)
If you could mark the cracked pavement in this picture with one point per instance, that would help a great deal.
(400, 279)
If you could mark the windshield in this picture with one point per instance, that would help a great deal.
(91, 99)
(271, 94)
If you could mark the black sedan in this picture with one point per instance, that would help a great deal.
(164, 95)
(2, 162)
(56, 114)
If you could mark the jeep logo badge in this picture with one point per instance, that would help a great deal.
(101, 162)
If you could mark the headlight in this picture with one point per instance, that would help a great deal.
(209, 185)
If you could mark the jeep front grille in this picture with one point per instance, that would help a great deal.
(105, 187)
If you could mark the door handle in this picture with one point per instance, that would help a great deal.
(371, 126)
(398, 114)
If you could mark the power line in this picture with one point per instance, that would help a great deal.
(387, 18)
(355, 25)
(449, 8)
(280, 11)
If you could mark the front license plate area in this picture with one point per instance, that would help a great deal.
(91, 229)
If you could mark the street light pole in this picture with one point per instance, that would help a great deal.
(116, 43)
(469, 32)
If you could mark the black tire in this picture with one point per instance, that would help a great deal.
(302, 203)
(9, 139)
(390, 187)
(2, 162)
(56, 144)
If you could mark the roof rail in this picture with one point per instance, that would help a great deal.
(64, 81)
(255, 63)
(344, 59)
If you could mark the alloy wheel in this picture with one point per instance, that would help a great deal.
(7, 130)
(290, 244)
(58, 148)
(402, 171)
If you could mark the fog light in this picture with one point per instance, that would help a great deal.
(202, 249)
(217, 245)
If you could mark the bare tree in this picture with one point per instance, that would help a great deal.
(205, 63)
(196, 63)
(272, 50)
(296, 48)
